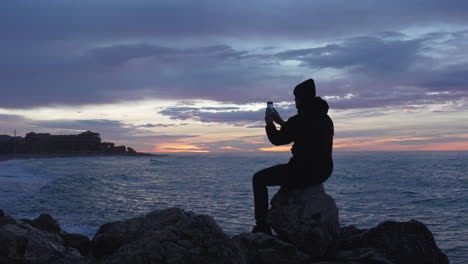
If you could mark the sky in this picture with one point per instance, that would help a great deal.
(194, 76)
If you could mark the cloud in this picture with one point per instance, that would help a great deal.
(228, 115)
(113, 131)
(134, 72)
(91, 52)
(58, 20)
(156, 138)
(109, 129)
(120, 54)
(149, 125)
(80, 124)
(425, 141)
(451, 78)
(230, 145)
(376, 69)
(10, 123)
(11, 118)
(363, 133)
(374, 56)
(225, 115)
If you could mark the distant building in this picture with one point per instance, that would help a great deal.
(44, 143)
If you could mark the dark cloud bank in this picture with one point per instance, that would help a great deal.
(229, 115)
(115, 130)
(69, 52)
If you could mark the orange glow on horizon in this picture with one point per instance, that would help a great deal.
(276, 149)
(340, 144)
(179, 148)
(230, 148)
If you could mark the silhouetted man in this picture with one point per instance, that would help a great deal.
(312, 131)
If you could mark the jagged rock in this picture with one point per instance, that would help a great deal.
(176, 236)
(6, 219)
(45, 222)
(307, 218)
(22, 243)
(165, 236)
(78, 241)
(260, 248)
(398, 242)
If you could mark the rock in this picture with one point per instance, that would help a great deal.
(260, 248)
(398, 242)
(165, 236)
(78, 241)
(307, 218)
(22, 243)
(7, 220)
(45, 222)
(176, 236)
(361, 255)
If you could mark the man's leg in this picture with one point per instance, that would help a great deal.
(272, 176)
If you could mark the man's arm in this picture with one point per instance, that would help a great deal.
(279, 137)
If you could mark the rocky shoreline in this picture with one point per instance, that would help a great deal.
(307, 232)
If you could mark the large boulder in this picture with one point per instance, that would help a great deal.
(166, 236)
(176, 236)
(78, 241)
(45, 222)
(307, 218)
(398, 242)
(23, 243)
(260, 248)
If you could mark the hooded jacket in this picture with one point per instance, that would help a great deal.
(312, 132)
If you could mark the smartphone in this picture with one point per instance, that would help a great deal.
(270, 105)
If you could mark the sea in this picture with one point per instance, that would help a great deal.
(83, 193)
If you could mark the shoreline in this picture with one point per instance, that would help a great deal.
(6, 157)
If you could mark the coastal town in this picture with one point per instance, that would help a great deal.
(46, 144)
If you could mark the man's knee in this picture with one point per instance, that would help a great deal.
(258, 178)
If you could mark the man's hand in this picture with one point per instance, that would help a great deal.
(268, 116)
(276, 117)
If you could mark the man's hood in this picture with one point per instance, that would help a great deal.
(316, 107)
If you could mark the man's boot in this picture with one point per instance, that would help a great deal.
(262, 226)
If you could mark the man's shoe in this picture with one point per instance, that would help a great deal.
(263, 228)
